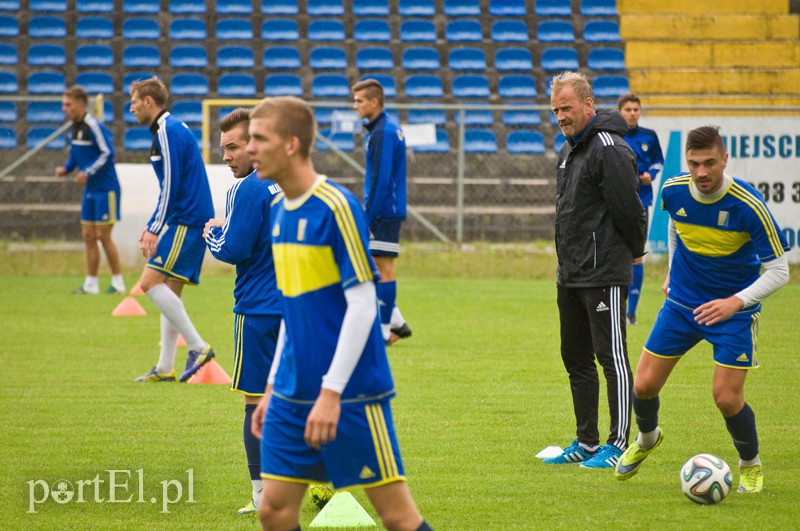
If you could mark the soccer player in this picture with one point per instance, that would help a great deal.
(329, 416)
(91, 152)
(599, 230)
(384, 199)
(649, 161)
(243, 240)
(720, 234)
(184, 205)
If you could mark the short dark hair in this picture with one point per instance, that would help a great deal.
(77, 92)
(153, 87)
(628, 98)
(372, 88)
(292, 117)
(705, 137)
(236, 117)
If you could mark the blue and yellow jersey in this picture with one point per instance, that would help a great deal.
(319, 245)
(721, 243)
(91, 150)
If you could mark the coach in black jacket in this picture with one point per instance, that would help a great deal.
(600, 229)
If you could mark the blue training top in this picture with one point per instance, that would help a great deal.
(91, 149)
(385, 179)
(644, 142)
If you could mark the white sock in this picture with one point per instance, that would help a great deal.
(172, 307)
(648, 439)
(118, 282)
(257, 486)
(386, 330)
(749, 462)
(91, 283)
(397, 318)
(169, 345)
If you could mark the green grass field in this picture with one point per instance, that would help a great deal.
(481, 389)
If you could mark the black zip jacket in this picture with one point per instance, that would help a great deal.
(600, 222)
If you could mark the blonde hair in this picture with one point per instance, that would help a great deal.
(152, 87)
(576, 80)
(292, 117)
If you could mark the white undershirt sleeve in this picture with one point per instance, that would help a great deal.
(672, 239)
(278, 351)
(776, 275)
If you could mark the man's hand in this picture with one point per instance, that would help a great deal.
(80, 178)
(147, 243)
(257, 420)
(717, 310)
(61, 171)
(646, 178)
(323, 419)
(211, 223)
(665, 286)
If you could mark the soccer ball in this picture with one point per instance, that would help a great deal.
(319, 494)
(706, 479)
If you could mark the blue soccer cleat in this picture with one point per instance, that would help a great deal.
(574, 453)
(154, 376)
(631, 459)
(196, 359)
(606, 457)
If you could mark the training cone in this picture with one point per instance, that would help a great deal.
(128, 306)
(210, 373)
(137, 289)
(343, 511)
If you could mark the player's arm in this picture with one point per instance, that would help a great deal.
(379, 179)
(234, 241)
(105, 148)
(656, 158)
(172, 180)
(257, 424)
(619, 185)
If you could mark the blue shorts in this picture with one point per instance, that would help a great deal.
(384, 237)
(179, 254)
(254, 340)
(735, 340)
(100, 208)
(365, 453)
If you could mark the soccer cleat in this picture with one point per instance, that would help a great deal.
(606, 457)
(751, 479)
(82, 290)
(250, 508)
(111, 290)
(628, 464)
(402, 332)
(196, 359)
(631, 319)
(574, 453)
(154, 376)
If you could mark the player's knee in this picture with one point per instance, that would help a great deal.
(728, 402)
(397, 520)
(644, 389)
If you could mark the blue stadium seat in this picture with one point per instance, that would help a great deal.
(47, 27)
(108, 113)
(47, 55)
(513, 59)
(188, 29)
(476, 117)
(507, 8)
(44, 111)
(325, 8)
(94, 56)
(374, 58)
(416, 8)
(187, 7)
(9, 26)
(523, 142)
(141, 56)
(327, 29)
(387, 82)
(558, 142)
(324, 115)
(599, 8)
(327, 58)
(510, 31)
(553, 8)
(462, 8)
(521, 117)
(480, 141)
(8, 54)
(234, 29)
(560, 59)
(610, 86)
(343, 141)
(283, 85)
(280, 29)
(372, 30)
(234, 7)
(9, 5)
(236, 86)
(188, 112)
(371, 8)
(141, 6)
(461, 59)
(442, 144)
(601, 31)
(555, 31)
(281, 58)
(280, 7)
(59, 6)
(427, 116)
(421, 58)
(8, 138)
(189, 85)
(417, 31)
(188, 56)
(235, 57)
(129, 78)
(127, 116)
(471, 86)
(424, 86)
(96, 82)
(463, 31)
(517, 86)
(330, 86)
(46, 83)
(38, 134)
(547, 82)
(606, 59)
(140, 28)
(8, 111)
(95, 6)
(94, 28)
(138, 139)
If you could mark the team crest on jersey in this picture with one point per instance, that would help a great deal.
(645, 147)
(276, 230)
(722, 218)
(681, 212)
(400, 135)
(301, 229)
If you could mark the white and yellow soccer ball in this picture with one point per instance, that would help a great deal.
(706, 479)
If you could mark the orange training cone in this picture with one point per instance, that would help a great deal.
(181, 341)
(128, 306)
(210, 373)
(137, 289)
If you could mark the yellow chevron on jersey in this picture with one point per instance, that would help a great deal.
(303, 268)
(710, 241)
(763, 214)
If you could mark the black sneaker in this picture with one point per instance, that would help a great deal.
(403, 331)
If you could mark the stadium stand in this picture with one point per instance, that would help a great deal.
(480, 141)
(416, 8)
(188, 56)
(471, 86)
(327, 58)
(282, 29)
(521, 117)
(371, 8)
(96, 82)
(234, 7)
(8, 111)
(235, 57)
(283, 85)
(94, 56)
(463, 31)
(236, 86)
(39, 133)
(601, 31)
(599, 8)
(442, 144)
(326, 30)
(558, 142)
(280, 7)
(372, 30)
(462, 8)
(189, 112)
(141, 56)
(151, 7)
(513, 59)
(47, 55)
(8, 54)
(234, 29)
(424, 86)
(138, 139)
(560, 59)
(187, 29)
(330, 86)
(606, 59)
(47, 27)
(417, 31)
(517, 86)
(509, 31)
(555, 31)
(44, 111)
(610, 86)
(94, 28)
(475, 117)
(343, 141)
(387, 81)
(9, 5)
(507, 8)
(187, 7)
(59, 6)
(9, 26)
(94, 6)
(427, 116)
(421, 58)
(553, 8)
(8, 138)
(374, 58)
(189, 85)
(281, 58)
(325, 8)
(462, 59)
(524, 142)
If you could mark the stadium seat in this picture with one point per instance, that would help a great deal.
(476, 117)
(281, 58)
(463, 31)
(471, 86)
(127, 116)
(601, 31)
(424, 86)
(8, 54)
(560, 59)
(141, 6)
(513, 59)
(462, 8)
(140, 28)
(234, 7)
(189, 85)
(94, 56)
(46, 83)
(95, 6)
(47, 27)
(141, 56)
(235, 57)
(553, 8)
(510, 31)
(280, 29)
(461, 59)
(38, 134)
(524, 142)
(610, 86)
(324, 115)
(442, 144)
(480, 141)
(372, 30)
(342, 141)
(558, 142)
(517, 86)
(606, 59)
(94, 28)
(427, 116)
(507, 8)
(9, 26)
(327, 58)
(421, 58)
(417, 31)
(547, 82)
(283, 85)
(8, 138)
(188, 29)
(188, 56)
(108, 113)
(138, 139)
(96, 82)
(330, 86)
(234, 29)
(188, 112)
(328, 29)
(416, 8)
(44, 111)
(325, 8)
(553, 119)
(387, 82)
(187, 7)
(129, 78)
(9, 5)
(371, 8)
(555, 31)
(8, 111)
(599, 8)
(59, 6)
(517, 117)
(47, 55)
(374, 58)
(236, 86)
(280, 7)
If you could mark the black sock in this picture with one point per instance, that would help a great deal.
(424, 526)
(252, 446)
(646, 410)
(742, 427)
